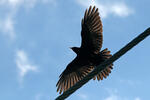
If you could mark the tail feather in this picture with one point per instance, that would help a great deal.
(105, 54)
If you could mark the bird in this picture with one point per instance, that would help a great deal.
(88, 55)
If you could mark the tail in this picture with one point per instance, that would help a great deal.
(104, 54)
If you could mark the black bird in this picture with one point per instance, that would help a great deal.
(88, 55)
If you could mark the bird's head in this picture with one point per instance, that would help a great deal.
(75, 49)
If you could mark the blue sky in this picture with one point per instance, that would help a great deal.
(35, 36)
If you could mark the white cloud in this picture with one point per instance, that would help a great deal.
(82, 96)
(117, 97)
(11, 8)
(137, 98)
(120, 9)
(17, 3)
(133, 83)
(38, 97)
(114, 94)
(13, 2)
(112, 97)
(23, 64)
(129, 82)
(42, 96)
(115, 8)
(7, 27)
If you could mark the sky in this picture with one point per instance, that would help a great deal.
(35, 36)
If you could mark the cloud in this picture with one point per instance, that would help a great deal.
(133, 83)
(10, 10)
(112, 8)
(82, 96)
(137, 98)
(120, 9)
(117, 97)
(23, 64)
(114, 95)
(38, 97)
(42, 96)
(7, 27)
(17, 3)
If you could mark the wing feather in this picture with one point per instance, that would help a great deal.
(67, 80)
(91, 31)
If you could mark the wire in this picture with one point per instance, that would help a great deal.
(102, 66)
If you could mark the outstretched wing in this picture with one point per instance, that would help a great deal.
(91, 31)
(69, 78)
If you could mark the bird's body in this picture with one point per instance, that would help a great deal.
(82, 59)
(88, 55)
